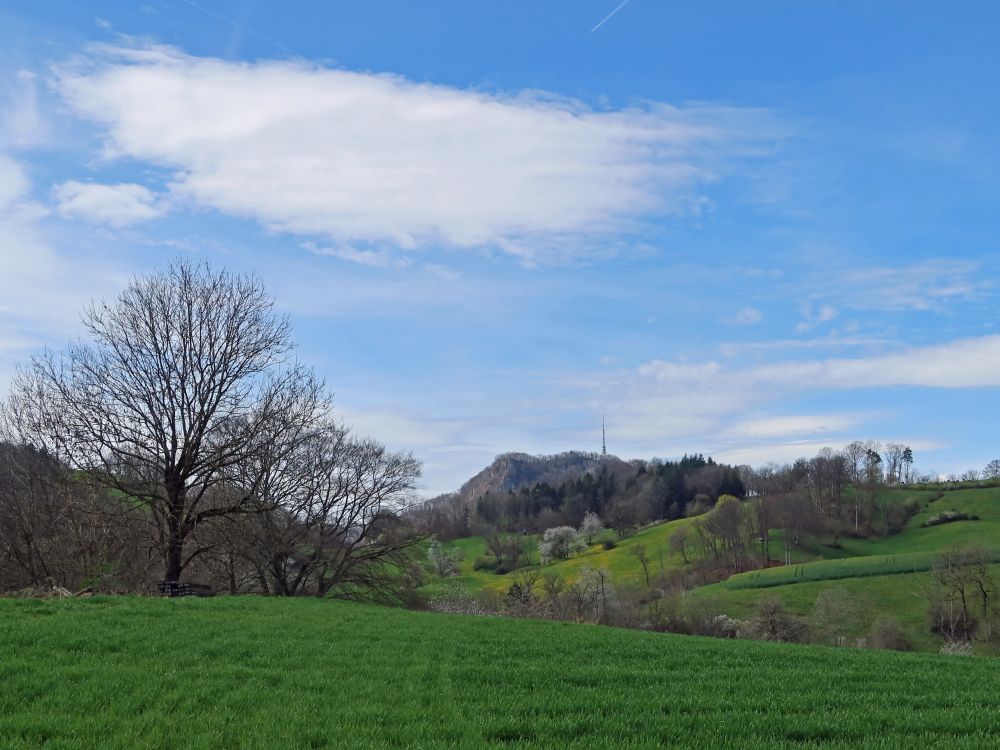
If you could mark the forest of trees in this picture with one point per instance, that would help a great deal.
(807, 496)
(655, 491)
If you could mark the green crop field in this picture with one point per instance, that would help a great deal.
(831, 570)
(267, 673)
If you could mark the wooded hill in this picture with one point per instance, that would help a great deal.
(834, 556)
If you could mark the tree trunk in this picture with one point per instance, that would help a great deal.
(175, 527)
(175, 554)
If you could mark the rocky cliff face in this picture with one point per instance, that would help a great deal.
(512, 471)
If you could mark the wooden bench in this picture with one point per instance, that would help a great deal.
(182, 588)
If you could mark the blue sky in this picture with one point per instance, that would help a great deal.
(746, 229)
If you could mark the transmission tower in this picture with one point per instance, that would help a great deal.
(604, 439)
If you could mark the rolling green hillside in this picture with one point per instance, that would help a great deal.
(263, 673)
(619, 561)
(905, 556)
(984, 503)
(883, 570)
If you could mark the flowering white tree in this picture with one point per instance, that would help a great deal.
(592, 526)
(560, 542)
(441, 560)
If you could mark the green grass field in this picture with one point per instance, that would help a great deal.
(270, 673)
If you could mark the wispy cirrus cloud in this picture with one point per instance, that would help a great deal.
(788, 425)
(721, 403)
(22, 124)
(745, 316)
(925, 285)
(368, 257)
(377, 160)
(13, 181)
(963, 363)
(786, 452)
(41, 290)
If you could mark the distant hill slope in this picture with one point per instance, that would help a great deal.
(512, 471)
(875, 571)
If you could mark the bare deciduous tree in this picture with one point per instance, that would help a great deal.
(834, 614)
(622, 515)
(892, 460)
(854, 457)
(959, 584)
(680, 541)
(724, 534)
(329, 518)
(186, 374)
(638, 551)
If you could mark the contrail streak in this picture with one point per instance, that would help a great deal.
(241, 27)
(608, 17)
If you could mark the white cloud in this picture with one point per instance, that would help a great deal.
(925, 285)
(813, 318)
(661, 404)
(373, 258)
(964, 363)
(118, 205)
(22, 124)
(368, 158)
(13, 182)
(797, 424)
(41, 290)
(747, 316)
(739, 348)
(763, 453)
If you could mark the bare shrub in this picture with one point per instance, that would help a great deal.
(521, 599)
(773, 622)
(834, 615)
(887, 633)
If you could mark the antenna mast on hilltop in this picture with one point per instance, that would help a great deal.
(604, 439)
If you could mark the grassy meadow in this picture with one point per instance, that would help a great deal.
(619, 561)
(264, 673)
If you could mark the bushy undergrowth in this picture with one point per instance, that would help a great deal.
(887, 633)
(594, 598)
(948, 516)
